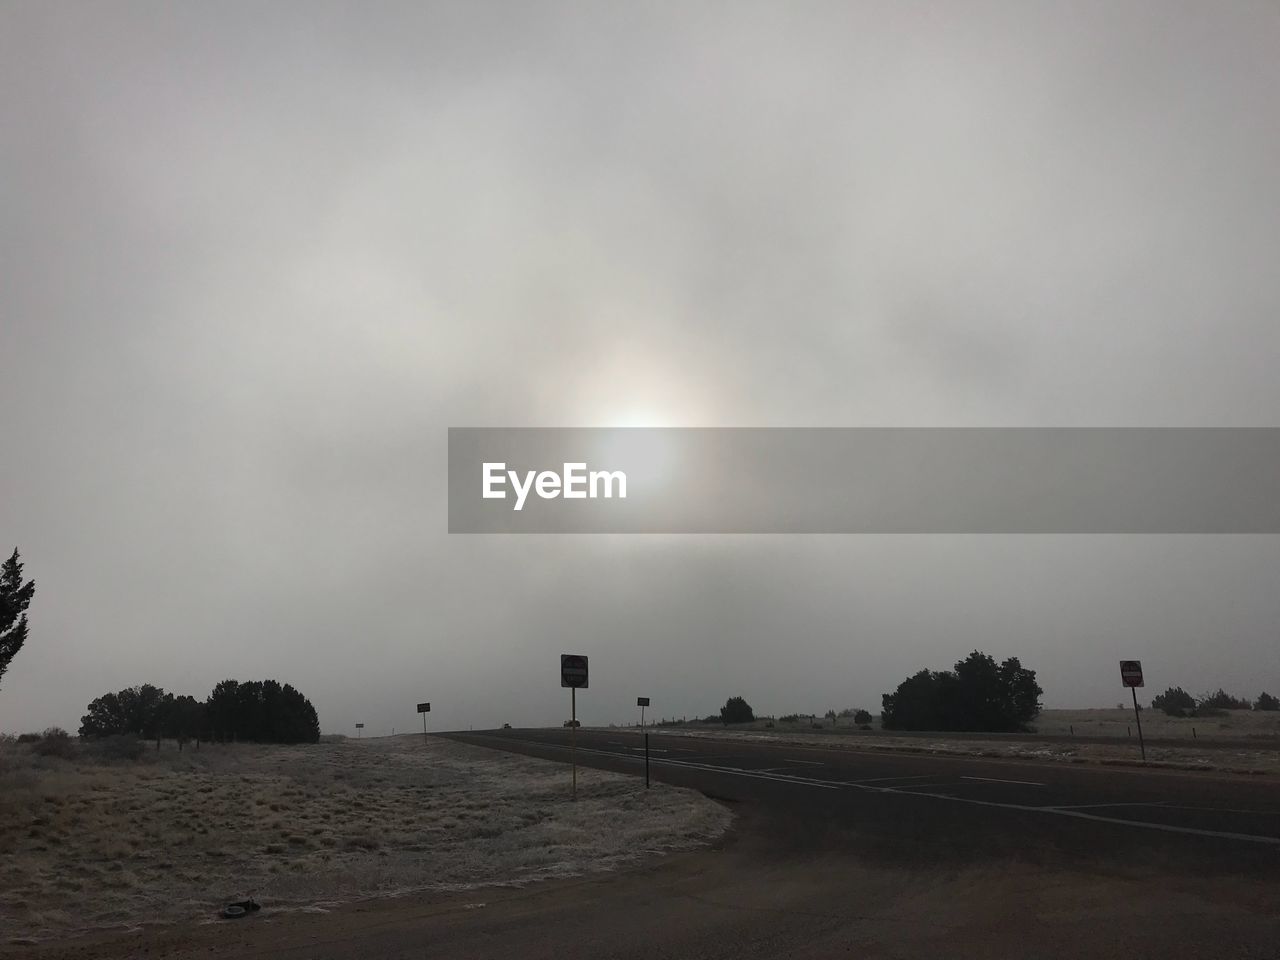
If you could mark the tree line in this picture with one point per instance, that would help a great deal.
(1176, 702)
(977, 695)
(255, 711)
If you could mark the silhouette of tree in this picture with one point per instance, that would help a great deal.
(736, 710)
(978, 695)
(15, 597)
(135, 710)
(1175, 701)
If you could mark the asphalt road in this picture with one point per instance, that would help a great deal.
(936, 806)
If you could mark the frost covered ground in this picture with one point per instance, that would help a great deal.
(172, 836)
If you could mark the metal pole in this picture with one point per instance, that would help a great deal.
(1137, 714)
(646, 761)
(573, 736)
(424, 724)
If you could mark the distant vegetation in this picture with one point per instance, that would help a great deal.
(978, 695)
(15, 597)
(257, 711)
(736, 710)
(1176, 702)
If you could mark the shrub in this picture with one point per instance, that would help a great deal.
(1221, 700)
(1266, 701)
(862, 718)
(117, 748)
(1175, 701)
(55, 742)
(28, 737)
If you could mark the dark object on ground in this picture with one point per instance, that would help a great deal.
(506, 726)
(234, 911)
(573, 723)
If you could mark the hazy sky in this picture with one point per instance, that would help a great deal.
(255, 259)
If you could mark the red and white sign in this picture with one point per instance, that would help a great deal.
(1131, 673)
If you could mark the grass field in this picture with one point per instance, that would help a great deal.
(1245, 741)
(1114, 722)
(89, 843)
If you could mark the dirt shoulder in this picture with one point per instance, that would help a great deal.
(170, 837)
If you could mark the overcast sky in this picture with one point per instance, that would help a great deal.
(255, 259)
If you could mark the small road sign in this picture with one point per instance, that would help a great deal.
(573, 671)
(359, 726)
(1131, 677)
(424, 708)
(642, 701)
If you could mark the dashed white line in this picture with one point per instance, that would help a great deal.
(1025, 783)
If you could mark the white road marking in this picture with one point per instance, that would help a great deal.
(808, 763)
(922, 776)
(912, 787)
(1025, 783)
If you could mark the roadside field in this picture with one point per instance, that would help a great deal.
(89, 843)
(1242, 741)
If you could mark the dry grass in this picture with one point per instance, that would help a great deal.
(1203, 749)
(172, 836)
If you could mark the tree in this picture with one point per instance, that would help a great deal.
(1266, 701)
(736, 710)
(1175, 701)
(15, 597)
(978, 695)
(263, 711)
(861, 717)
(140, 711)
(184, 719)
(1221, 700)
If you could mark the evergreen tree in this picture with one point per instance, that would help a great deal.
(15, 597)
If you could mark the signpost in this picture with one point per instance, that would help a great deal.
(1131, 677)
(359, 727)
(424, 709)
(643, 702)
(573, 674)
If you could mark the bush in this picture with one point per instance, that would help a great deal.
(28, 737)
(1266, 701)
(862, 718)
(1221, 700)
(117, 748)
(55, 742)
(1175, 702)
(789, 718)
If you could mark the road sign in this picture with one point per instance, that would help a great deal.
(424, 708)
(573, 671)
(1131, 673)
(359, 726)
(642, 701)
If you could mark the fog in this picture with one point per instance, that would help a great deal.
(255, 260)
